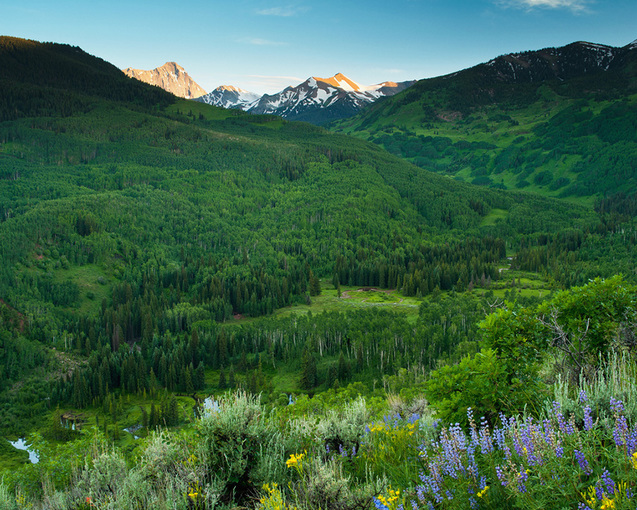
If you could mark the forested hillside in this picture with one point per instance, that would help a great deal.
(558, 121)
(155, 251)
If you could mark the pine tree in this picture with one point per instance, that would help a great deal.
(199, 378)
(315, 285)
(172, 417)
(188, 385)
(308, 371)
(153, 419)
(343, 368)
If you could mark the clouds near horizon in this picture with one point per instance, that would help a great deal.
(575, 6)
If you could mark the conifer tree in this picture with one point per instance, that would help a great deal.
(308, 371)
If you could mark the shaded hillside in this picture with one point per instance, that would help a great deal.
(559, 121)
(48, 79)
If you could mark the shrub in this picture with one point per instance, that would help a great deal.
(242, 448)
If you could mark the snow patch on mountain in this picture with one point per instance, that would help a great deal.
(315, 100)
(228, 96)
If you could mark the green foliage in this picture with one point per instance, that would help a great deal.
(240, 446)
(584, 324)
(485, 382)
(588, 322)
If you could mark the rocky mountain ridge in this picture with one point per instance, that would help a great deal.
(316, 100)
(170, 77)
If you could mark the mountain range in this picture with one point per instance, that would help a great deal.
(316, 100)
(558, 121)
(170, 77)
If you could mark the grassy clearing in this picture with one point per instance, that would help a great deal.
(94, 284)
(494, 216)
(354, 298)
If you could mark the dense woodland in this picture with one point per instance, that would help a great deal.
(155, 252)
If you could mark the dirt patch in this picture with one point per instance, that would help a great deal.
(449, 116)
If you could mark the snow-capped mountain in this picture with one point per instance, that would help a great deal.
(170, 77)
(316, 100)
(228, 96)
(321, 100)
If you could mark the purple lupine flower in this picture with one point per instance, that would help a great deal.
(620, 432)
(519, 449)
(524, 476)
(631, 442)
(486, 443)
(431, 485)
(582, 396)
(559, 451)
(500, 473)
(342, 451)
(379, 505)
(561, 422)
(608, 483)
(616, 406)
(500, 437)
(354, 451)
(527, 432)
(599, 492)
(588, 418)
(548, 433)
(583, 463)
(583, 506)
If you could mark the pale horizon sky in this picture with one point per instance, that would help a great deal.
(263, 45)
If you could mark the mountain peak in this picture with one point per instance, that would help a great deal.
(173, 66)
(170, 77)
(229, 96)
(340, 81)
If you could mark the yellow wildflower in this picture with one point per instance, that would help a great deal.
(295, 460)
(483, 491)
(607, 504)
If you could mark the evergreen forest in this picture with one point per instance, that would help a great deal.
(202, 308)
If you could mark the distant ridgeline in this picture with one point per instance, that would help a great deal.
(46, 79)
(558, 121)
(133, 224)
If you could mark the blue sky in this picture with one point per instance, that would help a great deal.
(265, 45)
